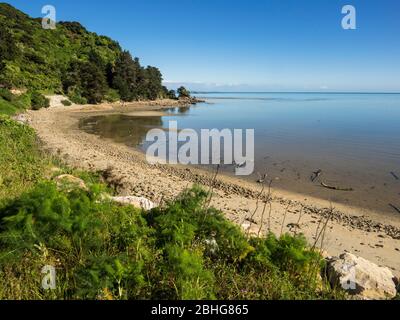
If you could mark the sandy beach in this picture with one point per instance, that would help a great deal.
(366, 233)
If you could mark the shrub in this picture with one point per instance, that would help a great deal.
(11, 104)
(187, 269)
(22, 101)
(78, 100)
(184, 250)
(75, 96)
(6, 94)
(66, 103)
(95, 241)
(290, 254)
(39, 101)
(241, 268)
(112, 95)
(7, 107)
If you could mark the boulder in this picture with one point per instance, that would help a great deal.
(55, 101)
(361, 278)
(138, 202)
(70, 181)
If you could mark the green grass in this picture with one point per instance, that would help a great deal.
(7, 107)
(101, 250)
(12, 104)
(21, 163)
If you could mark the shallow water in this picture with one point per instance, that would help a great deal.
(353, 138)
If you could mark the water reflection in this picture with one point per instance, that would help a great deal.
(130, 130)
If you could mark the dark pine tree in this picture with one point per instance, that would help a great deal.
(126, 75)
(93, 82)
(154, 86)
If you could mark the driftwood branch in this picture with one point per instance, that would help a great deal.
(335, 188)
(394, 207)
(316, 175)
(394, 175)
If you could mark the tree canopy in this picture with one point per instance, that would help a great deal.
(71, 60)
(183, 92)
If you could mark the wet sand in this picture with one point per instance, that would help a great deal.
(367, 233)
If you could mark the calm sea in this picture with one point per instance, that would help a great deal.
(353, 138)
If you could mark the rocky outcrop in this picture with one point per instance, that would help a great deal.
(138, 202)
(361, 278)
(190, 100)
(70, 182)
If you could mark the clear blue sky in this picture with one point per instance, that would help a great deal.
(251, 45)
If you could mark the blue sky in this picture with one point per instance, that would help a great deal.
(250, 45)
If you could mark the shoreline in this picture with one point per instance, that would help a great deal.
(364, 233)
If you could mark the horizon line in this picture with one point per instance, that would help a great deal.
(299, 92)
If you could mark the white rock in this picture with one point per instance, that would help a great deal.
(17, 92)
(22, 118)
(138, 202)
(55, 101)
(361, 278)
(246, 226)
(251, 229)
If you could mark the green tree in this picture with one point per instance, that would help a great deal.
(168, 94)
(153, 83)
(183, 92)
(86, 79)
(126, 76)
(171, 94)
(8, 51)
(71, 78)
(82, 64)
(93, 82)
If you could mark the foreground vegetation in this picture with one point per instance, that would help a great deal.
(101, 250)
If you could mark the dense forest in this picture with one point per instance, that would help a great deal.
(70, 60)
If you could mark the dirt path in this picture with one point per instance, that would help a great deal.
(364, 233)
